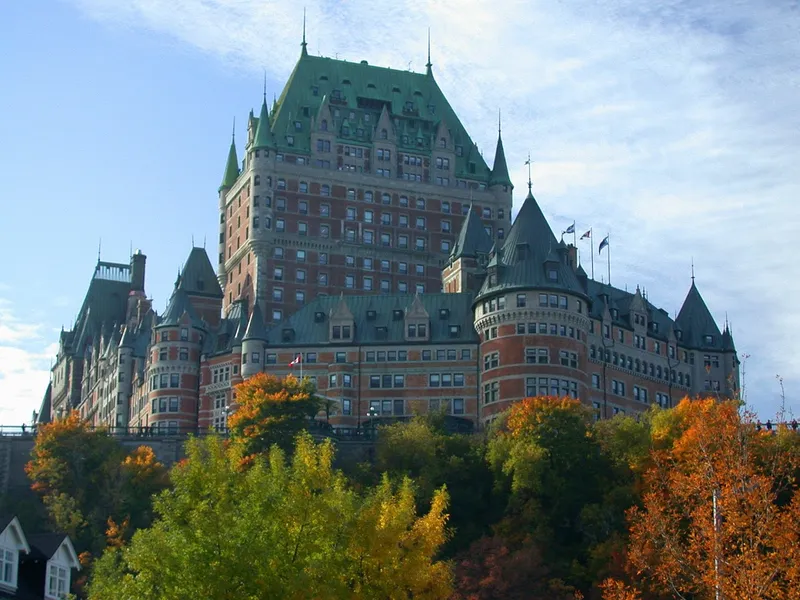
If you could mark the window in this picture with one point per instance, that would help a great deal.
(8, 564)
(596, 381)
(618, 387)
(568, 359)
(490, 392)
(301, 256)
(491, 361)
(174, 380)
(277, 294)
(184, 334)
(539, 356)
(300, 275)
(183, 354)
(280, 225)
(57, 582)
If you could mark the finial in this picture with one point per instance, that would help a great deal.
(693, 270)
(204, 242)
(428, 65)
(99, 246)
(265, 85)
(233, 131)
(528, 162)
(499, 120)
(192, 240)
(303, 45)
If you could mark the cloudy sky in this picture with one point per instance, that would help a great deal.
(673, 125)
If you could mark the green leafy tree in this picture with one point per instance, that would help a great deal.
(272, 411)
(276, 528)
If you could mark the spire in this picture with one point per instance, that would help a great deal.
(499, 173)
(255, 326)
(428, 65)
(304, 51)
(232, 166)
(696, 322)
(472, 239)
(263, 137)
(530, 183)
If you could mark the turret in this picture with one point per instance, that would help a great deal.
(253, 342)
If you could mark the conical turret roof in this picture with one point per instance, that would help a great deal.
(255, 326)
(231, 168)
(696, 322)
(500, 169)
(263, 137)
(472, 239)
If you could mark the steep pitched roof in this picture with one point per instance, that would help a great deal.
(472, 239)
(364, 90)
(528, 253)
(255, 326)
(197, 277)
(500, 169)
(179, 303)
(376, 321)
(263, 137)
(105, 302)
(695, 321)
(231, 168)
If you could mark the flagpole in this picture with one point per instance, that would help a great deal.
(574, 236)
(608, 247)
(301, 366)
(591, 248)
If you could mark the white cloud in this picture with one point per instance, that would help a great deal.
(24, 366)
(673, 125)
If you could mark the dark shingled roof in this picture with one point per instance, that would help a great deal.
(255, 326)
(528, 253)
(500, 169)
(179, 303)
(197, 277)
(472, 239)
(621, 301)
(310, 324)
(231, 168)
(695, 320)
(44, 545)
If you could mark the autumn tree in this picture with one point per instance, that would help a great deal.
(278, 528)
(720, 510)
(271, 410)
(85, 477)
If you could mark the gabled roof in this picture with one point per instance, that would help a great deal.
(380, 320)
(46, 545)
(10, 521)
(528, 253)
(364, 90)
(472, 239)
(197, 277)
(695, 321)
(231, 168)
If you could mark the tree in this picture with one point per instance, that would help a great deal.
(86, 477)
(271, 410)
(422, 450)
(720, 510)
(278, 528)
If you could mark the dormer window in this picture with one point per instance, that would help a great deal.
(384, 134)
(341, 332)
(552, 274)
(455, 331)
(319, 317)
(708, 339)
(417, 330)
(679, 334)
(397, 314)
(371, 315)
(323, 125)
(444, 313)
(287, 335)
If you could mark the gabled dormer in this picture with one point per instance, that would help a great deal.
(417, 322)
(55, 550)
(384, 129)
(12, 543)
(638, 313)
(341, 324)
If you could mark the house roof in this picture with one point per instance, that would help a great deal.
(414, 101)
(472, 239)
(500, 169)
(376, 321)
(231, 173)
(527, 255)
(198, 277)
(696, 322)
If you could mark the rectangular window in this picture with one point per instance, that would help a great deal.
(346, 410)
(434, 380)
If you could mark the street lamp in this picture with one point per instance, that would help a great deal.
(372, 413)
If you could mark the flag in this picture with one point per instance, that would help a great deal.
(297, 360)
(588, 234)
(603, 244)
(571, 228)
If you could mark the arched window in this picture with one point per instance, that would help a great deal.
(323, 125)
(384, 134)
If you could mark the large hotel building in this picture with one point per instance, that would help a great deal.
(363, 232)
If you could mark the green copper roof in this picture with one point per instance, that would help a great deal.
(231, 168)
(198, 277)
(529, 253)
(472, 239)
(375, 322)
(179, 304)
(414, 101)
(500, 170)
(263, 137)
(696, 322)
(255, 326)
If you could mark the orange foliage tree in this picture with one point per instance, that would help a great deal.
(85, 477)
(271, 411)
(720, 510)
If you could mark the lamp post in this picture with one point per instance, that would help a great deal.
(372, 413)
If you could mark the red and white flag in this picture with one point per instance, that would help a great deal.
(297, 360)
(588, 234)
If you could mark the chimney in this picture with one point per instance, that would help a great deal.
(137, 271)
(572, 256)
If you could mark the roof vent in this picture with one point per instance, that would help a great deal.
(287, 335)
(444, 313)
(345, 82)
(382, 333)
(397, 314)
(371, 314)
(319, 317)
(370, 86)
(323, 78)
(363, 62)
(395, 89)
(418, 93)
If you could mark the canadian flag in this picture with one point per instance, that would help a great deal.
(297, 360)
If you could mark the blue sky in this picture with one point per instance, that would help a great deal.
(671, 125)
